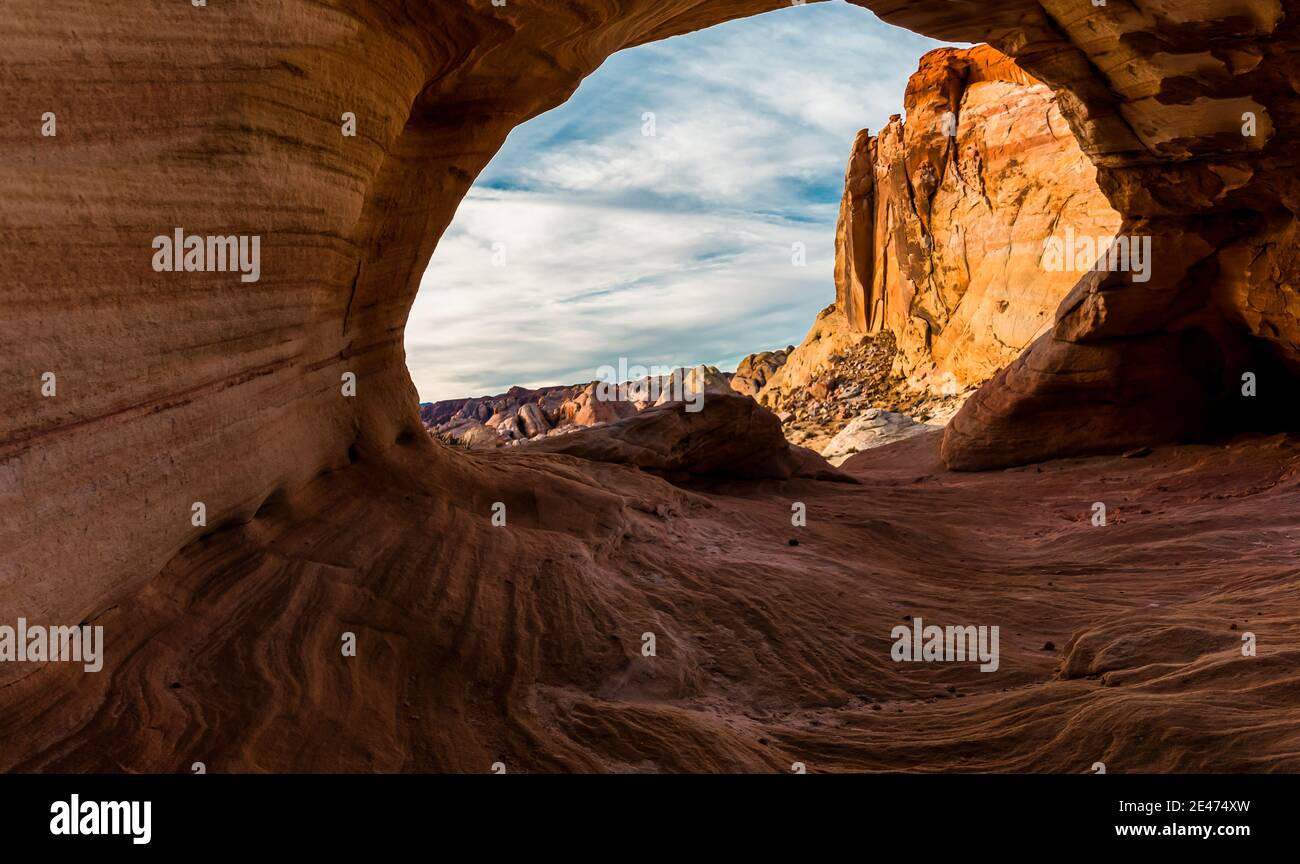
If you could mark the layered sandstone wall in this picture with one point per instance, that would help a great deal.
(177, 388)
(194, 387)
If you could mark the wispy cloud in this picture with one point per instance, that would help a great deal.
(671, 249)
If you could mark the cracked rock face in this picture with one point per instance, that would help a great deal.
(1189, 112)
(944, 218)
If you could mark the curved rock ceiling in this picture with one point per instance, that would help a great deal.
(180, 388)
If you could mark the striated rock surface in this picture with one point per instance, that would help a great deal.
(328, 512)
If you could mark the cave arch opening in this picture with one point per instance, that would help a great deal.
(681, 210)
(678, 210)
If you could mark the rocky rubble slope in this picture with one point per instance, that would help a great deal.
(838, 375)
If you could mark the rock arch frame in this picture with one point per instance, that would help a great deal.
(227, 119)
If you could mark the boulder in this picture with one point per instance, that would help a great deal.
(872, 428)
(532, 420)
(587, 408)
(732, 437)
(699, 380)
(754, 371)
(475, 435)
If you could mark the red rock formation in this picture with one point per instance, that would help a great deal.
(1189, 113)
(755, 370)
(942, 229)
(944, 218)
(516, 414)
(330, 513)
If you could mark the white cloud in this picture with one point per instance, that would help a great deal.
(585, 284)
(673, 249)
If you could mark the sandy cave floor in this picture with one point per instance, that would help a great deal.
(522, 644)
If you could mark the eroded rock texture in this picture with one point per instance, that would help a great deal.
(944, 218)
(329, 513)
(175, 388)
(1189, 112)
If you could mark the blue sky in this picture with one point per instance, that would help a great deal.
(587, 239)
